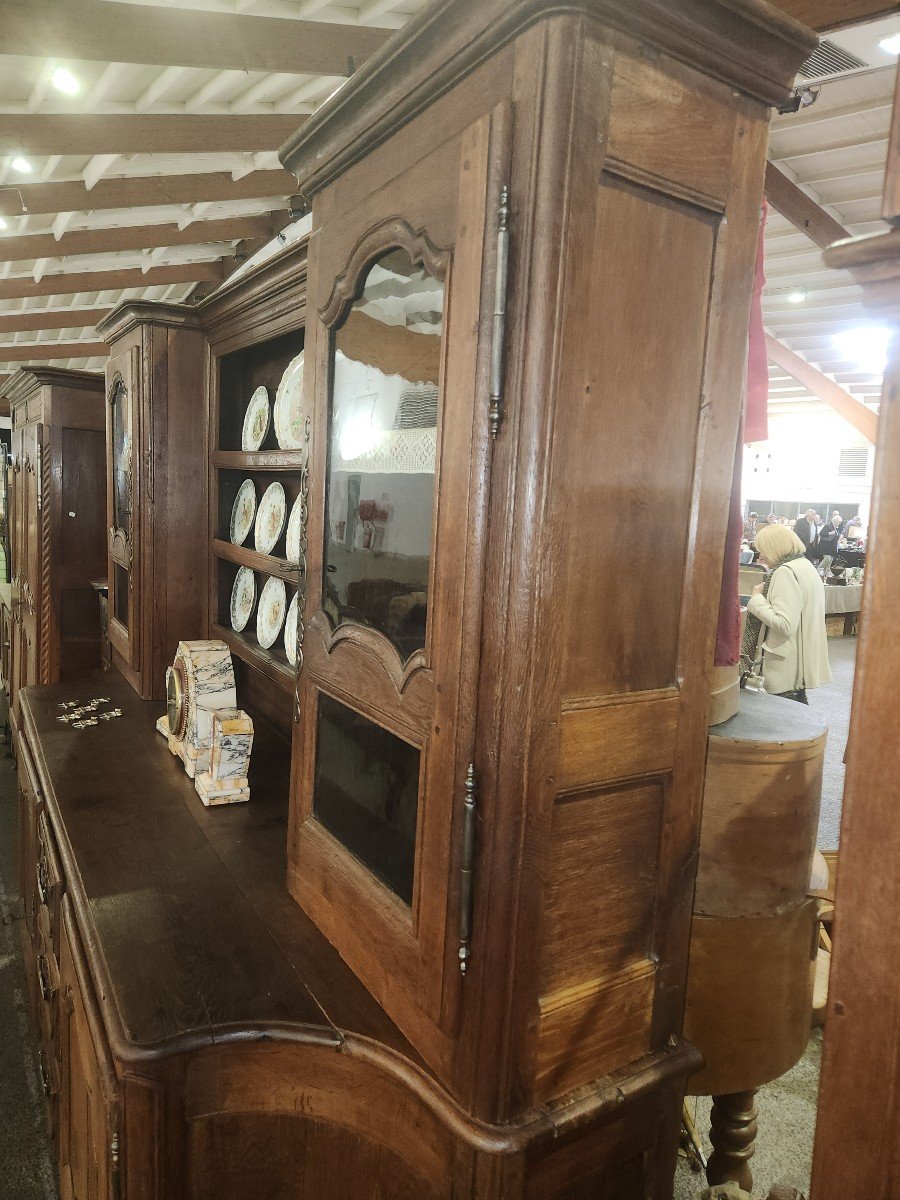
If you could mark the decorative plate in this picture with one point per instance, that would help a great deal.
(294, 532)
(270, 614)
(256, 420)
(242, 513)
(270, 518)
(243, 596)
(290, 632)
(288, 400)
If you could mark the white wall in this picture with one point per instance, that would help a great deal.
(800, 461)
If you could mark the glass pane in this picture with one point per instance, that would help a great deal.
(121, 450)
(382, 451)
(121, 595)
(366, 793)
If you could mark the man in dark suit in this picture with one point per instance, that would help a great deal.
(808, 533)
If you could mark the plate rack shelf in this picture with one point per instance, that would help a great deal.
(255, 329)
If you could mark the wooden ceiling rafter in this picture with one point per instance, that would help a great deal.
(95, 30)
(30, 320)
(41, 134)
(37, 352)
(863, 419)
(21, 247)
(64, 283)
(825, 16)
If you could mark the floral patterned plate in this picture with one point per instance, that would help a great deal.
(242, 513)
(256, 420)
(294, 532)
(290, 632)
(288, 398)
(243, 595)
(270, 518)
(270, 614)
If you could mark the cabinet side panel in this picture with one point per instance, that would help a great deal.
(627, 436)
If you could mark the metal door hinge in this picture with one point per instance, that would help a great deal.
(495, 411)
(467, 871)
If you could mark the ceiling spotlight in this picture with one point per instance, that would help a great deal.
(865, 345)
(798, 295)
(22, 165)
(799, 98)
(64, 81)
(890, 45)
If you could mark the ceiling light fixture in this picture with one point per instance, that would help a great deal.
(2, 223)
(64, 81)
(798, 295)
(22, 165)
(890, 45)
(866, 346)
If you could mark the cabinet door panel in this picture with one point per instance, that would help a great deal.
(123, 500)
(399, 443)
(88, 1146)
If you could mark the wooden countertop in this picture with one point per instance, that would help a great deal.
(183, 909)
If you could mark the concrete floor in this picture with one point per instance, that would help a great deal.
(834, 700)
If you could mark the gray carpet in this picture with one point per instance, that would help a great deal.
(787, 1120)
(834, 701)
(25, 1162)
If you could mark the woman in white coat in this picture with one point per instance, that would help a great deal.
(786, 618)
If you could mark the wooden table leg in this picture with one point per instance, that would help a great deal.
(733, 1136)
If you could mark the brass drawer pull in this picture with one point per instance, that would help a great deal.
(43, 885)
(47, 990)
(46, 1081)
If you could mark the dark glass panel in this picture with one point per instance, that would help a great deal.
(367, 793)
(121, 591)
(382, 451)
(121, 454)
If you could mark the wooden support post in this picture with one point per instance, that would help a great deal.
(733, 1136)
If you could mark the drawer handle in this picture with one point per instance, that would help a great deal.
(47, 990)
(46, 1081)
(43, 885)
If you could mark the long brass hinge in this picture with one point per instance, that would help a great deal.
(467, 871)
(495, 411)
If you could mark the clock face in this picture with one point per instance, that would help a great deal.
(176, 697)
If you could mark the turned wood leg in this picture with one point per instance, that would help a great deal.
(733, 1136)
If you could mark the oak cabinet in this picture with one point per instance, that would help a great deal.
(156, 494)
(533, 235)
(56, 513)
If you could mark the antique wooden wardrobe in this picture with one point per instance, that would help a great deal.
(442, 951)
(56, 513)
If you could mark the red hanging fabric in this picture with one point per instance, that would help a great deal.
(755, 428)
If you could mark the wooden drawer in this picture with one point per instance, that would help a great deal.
(49, 881)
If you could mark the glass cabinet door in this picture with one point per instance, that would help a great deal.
(122, 502)
(390, 630)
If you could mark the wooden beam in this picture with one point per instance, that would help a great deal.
(66, 318)
(131, 237)
(862, 419)
(69, 282)
(42, 352)
(143, 192)
(801, 210)
(825, 15)
(36, 134)
(134, 33)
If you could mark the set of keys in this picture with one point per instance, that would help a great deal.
(82, 716)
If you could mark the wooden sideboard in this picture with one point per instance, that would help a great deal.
(201, 1040)
(57, 502)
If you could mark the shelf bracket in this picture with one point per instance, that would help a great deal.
(467, 871)
(495, 411)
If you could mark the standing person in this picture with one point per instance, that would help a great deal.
(808, 532)
(750, 527)
(828, 542)
(784, 637)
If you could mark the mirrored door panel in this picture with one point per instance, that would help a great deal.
(122, 458)
(399, 454)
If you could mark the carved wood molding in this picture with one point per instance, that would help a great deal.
(373, 643)
(394, 233)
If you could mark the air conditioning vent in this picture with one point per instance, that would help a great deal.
(853, 462)
(828, 60)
